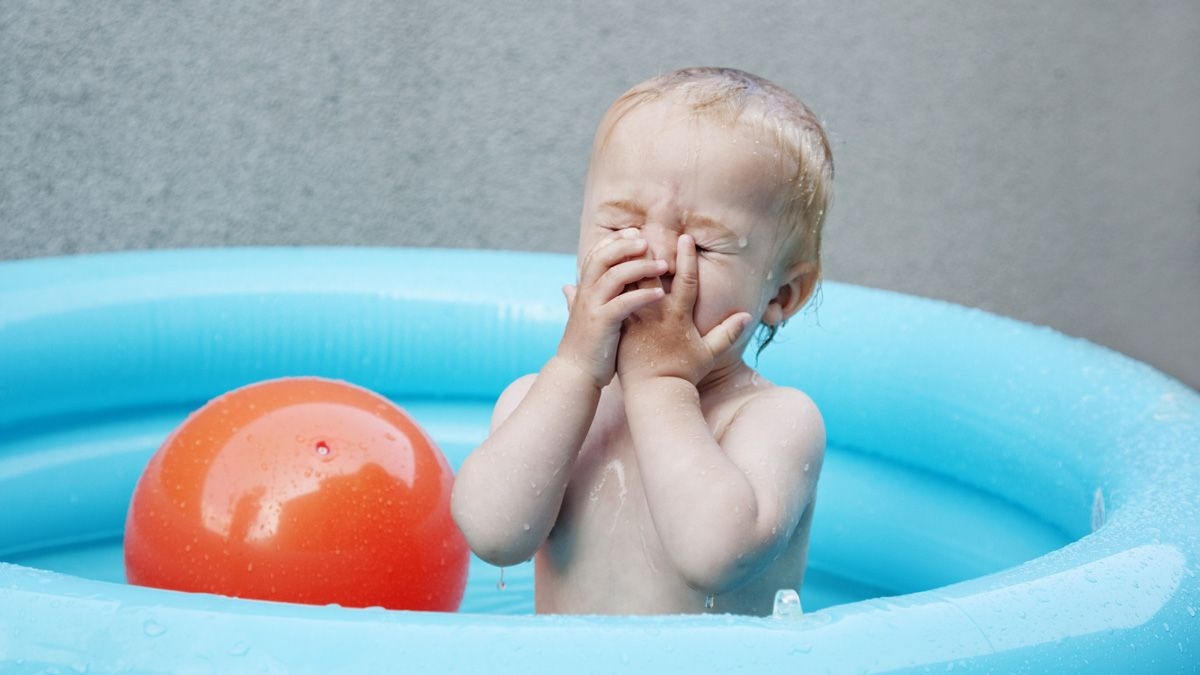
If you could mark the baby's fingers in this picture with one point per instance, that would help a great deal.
(611, 250)
(633, 273)
(726, 334)
(632, 300)
(569, 294)
(686, 283)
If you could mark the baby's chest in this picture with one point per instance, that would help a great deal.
(604, 509)
(605, 481)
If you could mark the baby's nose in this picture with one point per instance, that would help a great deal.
(662, 247)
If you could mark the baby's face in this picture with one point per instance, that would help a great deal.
(666, 172)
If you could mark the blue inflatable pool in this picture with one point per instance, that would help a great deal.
(996, 496)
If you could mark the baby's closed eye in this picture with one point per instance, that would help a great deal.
(617, 226)
(712, 247)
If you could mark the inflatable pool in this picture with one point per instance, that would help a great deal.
(996, 496)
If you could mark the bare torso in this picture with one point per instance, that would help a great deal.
(604, 555)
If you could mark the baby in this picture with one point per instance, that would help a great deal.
(647, 466)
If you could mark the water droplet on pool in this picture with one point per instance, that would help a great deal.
(787, 604)
(153, 628)
(801, 648)
(500, 585)
(709, 601)
(239, 649)
(1097, 509)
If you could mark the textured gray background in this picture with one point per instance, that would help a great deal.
(1036, 159)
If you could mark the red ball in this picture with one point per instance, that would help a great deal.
(299, 490)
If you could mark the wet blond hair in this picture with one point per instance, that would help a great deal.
(736, 97)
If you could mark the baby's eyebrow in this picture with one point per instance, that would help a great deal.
(689, 218)
(625, 205)
(706, 223)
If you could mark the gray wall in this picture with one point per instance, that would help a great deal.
(1040, 160)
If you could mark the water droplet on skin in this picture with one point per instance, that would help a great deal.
(525, 526)
(743, 242)
(806, 467)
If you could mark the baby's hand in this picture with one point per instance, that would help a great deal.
(661, 339)
(607, 293)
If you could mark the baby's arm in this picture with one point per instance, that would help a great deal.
(507, 494)
(723, 508)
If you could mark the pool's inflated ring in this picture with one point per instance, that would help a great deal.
(1030, 502)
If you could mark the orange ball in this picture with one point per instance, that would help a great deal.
(299, 490)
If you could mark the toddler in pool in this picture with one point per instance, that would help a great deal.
(647, 467)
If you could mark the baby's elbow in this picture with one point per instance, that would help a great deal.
(717, 564)
(492, 548)
(487, 539)
(714, 577)
(497, 554)
(716, 570)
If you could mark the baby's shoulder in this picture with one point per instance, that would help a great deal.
(772, 409)
(511, 397)
(783, 398)
(761, 394)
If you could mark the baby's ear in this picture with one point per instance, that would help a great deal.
(796, 286)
